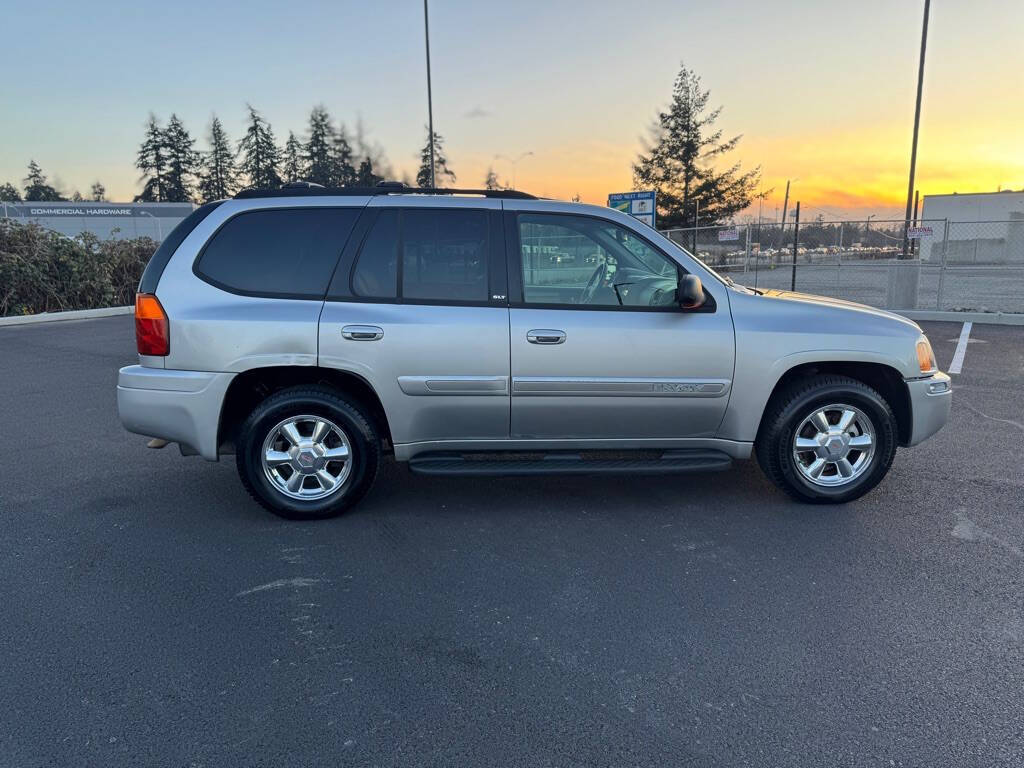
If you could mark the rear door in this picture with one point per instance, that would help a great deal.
(418, 308)
(263, 267)
(599, 346)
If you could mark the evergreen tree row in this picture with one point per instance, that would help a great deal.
(683, 161)
(174, 171)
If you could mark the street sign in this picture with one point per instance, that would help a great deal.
(639, 205)
(918, 232)
(725, 235)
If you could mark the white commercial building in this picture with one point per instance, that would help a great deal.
(105, 220)
(984, 227)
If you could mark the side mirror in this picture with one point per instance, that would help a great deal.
(690, 292)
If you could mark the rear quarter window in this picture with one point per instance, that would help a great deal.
(158, 262)
(281, 252)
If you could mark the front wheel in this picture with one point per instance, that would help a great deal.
(307, 453)
(827, 439)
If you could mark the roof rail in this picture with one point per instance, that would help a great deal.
(302, 184)
(309, 189)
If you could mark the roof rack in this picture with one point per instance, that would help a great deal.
(310, 189)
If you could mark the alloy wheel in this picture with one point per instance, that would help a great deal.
(307, 457)
(834, 445)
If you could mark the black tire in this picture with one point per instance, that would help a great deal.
(788, 409)
(316, 401)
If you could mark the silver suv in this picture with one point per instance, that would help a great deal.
(311, 331)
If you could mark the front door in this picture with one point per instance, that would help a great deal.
(599, 347)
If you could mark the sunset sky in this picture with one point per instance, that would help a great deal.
(821, 90)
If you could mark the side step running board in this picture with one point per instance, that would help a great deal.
(557, 463)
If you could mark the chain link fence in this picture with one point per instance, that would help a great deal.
(959, 266)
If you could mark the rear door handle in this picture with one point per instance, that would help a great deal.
(362, 332)
(545, 336)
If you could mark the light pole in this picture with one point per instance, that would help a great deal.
(430, 99)
(515, 163)
(917, 123)
(159, 229)
(760, 205)
(696, 223)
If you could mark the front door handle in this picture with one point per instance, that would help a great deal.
(545, 336)
(362, 332)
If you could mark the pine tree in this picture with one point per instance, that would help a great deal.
(679, 161)
(365, 177)
(343, 171)
(491, 181)
(152, 161)
(219, 174)
(318, 149)
(76, 197)
(441, 170)
(261, 156)
(36, 188)
(9, 193)
(182, 161)
(292, 168)
(98, 193)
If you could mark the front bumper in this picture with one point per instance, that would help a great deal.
(179, 406)
(930, 401)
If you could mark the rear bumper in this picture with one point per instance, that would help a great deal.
(930, 401)
(180, 406)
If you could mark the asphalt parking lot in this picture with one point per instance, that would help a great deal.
(153, 615)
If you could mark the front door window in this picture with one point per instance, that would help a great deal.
(579, 260)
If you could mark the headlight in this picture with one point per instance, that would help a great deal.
(925, 357)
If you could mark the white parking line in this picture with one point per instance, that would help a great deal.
(961, 348)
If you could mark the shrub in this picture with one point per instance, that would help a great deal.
(43, 271)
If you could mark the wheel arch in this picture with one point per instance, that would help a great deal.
(251, 387)
(885, 379)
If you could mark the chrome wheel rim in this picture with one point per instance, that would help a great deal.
(834, 445)
(307, 457)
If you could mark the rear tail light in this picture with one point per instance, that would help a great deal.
(152, 331)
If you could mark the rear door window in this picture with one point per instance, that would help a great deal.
(285, 252)
(444, 255)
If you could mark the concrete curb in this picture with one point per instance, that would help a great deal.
(74, 314)
(992, 318)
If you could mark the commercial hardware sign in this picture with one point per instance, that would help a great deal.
(35, 210)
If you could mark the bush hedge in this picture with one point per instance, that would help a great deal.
(43, 271)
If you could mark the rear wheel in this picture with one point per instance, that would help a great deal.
(307, 453)
(827, 439)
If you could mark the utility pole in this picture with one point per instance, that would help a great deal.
(796, 240)
(782, 226)
(917, 123)
(785, 204)
(914, 243)
(430, 99)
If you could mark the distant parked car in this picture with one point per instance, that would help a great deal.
(311, 331)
